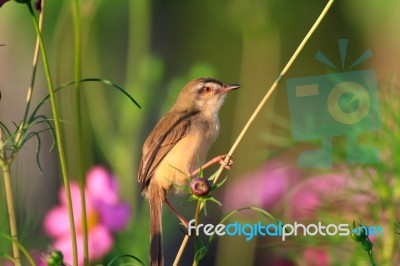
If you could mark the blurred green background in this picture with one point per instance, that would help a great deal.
(152, 48)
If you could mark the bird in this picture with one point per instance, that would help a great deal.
(176, 147)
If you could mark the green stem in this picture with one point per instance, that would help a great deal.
(267, 96)
(58, 137)
(10, 202)
(21, 248)
(371, 258)
(11, 212)
(81, 175)
(32, 83)
(6, 165)
(199, 207)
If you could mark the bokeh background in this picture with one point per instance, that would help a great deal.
(152, 48)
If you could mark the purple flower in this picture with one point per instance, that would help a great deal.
(105, 215)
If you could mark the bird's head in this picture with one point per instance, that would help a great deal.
(205, 95)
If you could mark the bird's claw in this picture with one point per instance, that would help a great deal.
(227, 165)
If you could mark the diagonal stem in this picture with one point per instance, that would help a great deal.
(274, 86)
(262, 103)
(60, 146)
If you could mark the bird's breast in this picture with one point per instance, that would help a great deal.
(187, 155)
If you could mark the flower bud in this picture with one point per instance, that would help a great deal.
(367, 245)
(358, 233)
(355, 236)
(53, 257)
(200, 186)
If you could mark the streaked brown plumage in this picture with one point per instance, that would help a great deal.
(180, 140)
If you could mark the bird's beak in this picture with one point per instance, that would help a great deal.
(229, 87)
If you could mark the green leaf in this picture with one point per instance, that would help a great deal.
(136, 259)
(104, 81)
(24, 251)
(201, 252)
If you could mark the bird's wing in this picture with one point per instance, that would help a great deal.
(168, 131)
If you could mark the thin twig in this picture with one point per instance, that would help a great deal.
(265, 99)
(180, 251)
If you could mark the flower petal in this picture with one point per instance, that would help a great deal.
(102, 185)
(114, 217)
(264, 187)
(64, 245)
(56, 222)
(100, 242)
(76, 200)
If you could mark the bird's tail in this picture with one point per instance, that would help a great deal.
(156, 197)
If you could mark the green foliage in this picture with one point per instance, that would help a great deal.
(134, 261)
(21, 247)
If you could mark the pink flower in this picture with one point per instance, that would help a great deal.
(275, 183)
(264, 187)
(316, 257)
(280, 188)
(105, 215)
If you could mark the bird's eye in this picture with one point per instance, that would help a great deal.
(207, 89)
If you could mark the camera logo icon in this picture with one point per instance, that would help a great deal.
(343, 103)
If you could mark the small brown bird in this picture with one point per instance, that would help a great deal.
(180, 140)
